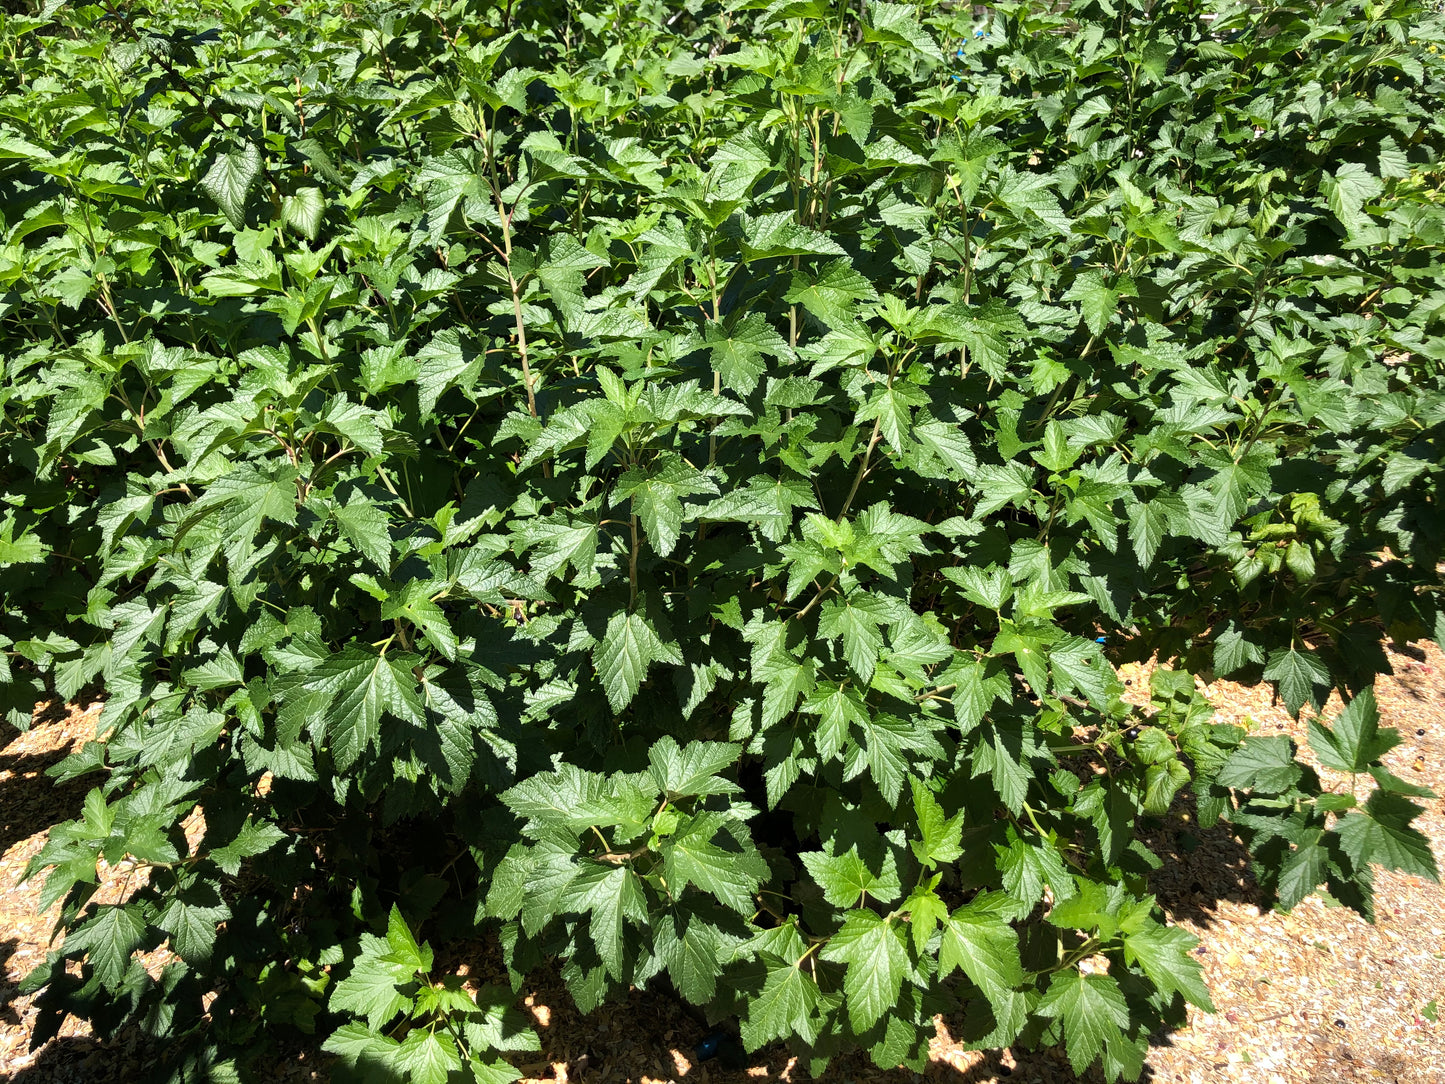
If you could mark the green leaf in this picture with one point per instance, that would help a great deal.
(358, 424)
(925, 912)
(108, 940)
(877, 957)
(1026, 644)
(886, 741)
(448, 179)
(230, 180)
(738, 350)
(693, 769)
(839, 707)
(25, 549)
(832, 294)
(856, 619)
(14, 147)
(191, 918)
(780, 234)
(1080, 664)
(1266, 765)
(1164, 952)
(1098, 300)
(1304, 869)
(691, 957)
(1026, 869)
(1381, 833)
(627, 649)
(560, 545)
(361, 686)
(692, 857)
(1093, 908)
(978, 684)
(447, 361)
(500, 1024)
(372, 987)
(414, 607)
(948, 443)
(1093, 1012)
(366, 527)
(610, 895)
(1346, 192)
(403, 945)
(984, 331)
(657, 499)
(1148, 527)
(782, 1009)
(254, 838)
(1235, 481)
(373, 1056)
(578, 800)
(898, 24)
(1388, 781)
(1355, 742)
(1301, 676)
(240, 502)
(892, 406)
(985, 947)
(303, 211)
(846, 878)
(427, 1057)
(1232, 651)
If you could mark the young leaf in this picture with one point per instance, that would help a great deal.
(939, 844)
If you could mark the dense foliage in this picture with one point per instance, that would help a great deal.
(667, 484)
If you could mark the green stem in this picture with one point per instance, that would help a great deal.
(806, 610)
(632, 565)
(862, 469)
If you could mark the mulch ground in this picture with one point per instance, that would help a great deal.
(1316, 996)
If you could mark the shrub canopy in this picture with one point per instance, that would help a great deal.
(669, 484)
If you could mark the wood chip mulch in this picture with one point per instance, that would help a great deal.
(1316, 996)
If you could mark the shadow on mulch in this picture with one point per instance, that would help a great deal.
(8, 1015)
(129, 1059)
(30, 800)
(1201, 869)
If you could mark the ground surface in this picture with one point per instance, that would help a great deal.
(1314, 996)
